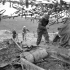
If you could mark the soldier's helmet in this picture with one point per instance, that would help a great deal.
(24, 26)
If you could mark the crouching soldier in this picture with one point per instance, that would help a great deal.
(64, 32)
(24, 32)
(41, 30)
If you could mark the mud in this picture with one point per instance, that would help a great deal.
(11, 67)
(47, 64)
(53, 64)
(10, 54)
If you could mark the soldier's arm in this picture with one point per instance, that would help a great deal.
(27, 30)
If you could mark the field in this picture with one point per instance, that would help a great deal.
(19, 22)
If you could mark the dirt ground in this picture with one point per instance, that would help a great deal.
(17, 24)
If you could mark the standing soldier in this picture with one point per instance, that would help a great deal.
(41, 30)
(24, 31)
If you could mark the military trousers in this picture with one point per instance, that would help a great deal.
(40, 34)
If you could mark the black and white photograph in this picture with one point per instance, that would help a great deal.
(34, 34)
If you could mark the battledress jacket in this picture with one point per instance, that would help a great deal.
(64, 32)
(42, 25)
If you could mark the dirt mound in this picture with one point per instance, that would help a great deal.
(9, 53)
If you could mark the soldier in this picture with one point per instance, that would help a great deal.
(14, 34)
(64, 32)
(41, 30)
(24, 31)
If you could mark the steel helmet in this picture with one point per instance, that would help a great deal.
(24, 26)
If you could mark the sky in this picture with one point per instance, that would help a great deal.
(66, 0)
(11, 10)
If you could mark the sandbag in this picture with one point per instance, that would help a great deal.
(39, 54)
(34, 55)
(28, 56)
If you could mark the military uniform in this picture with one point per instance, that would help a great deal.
(14, 34)
(41, 30)
(64, 32)
(24, 31)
